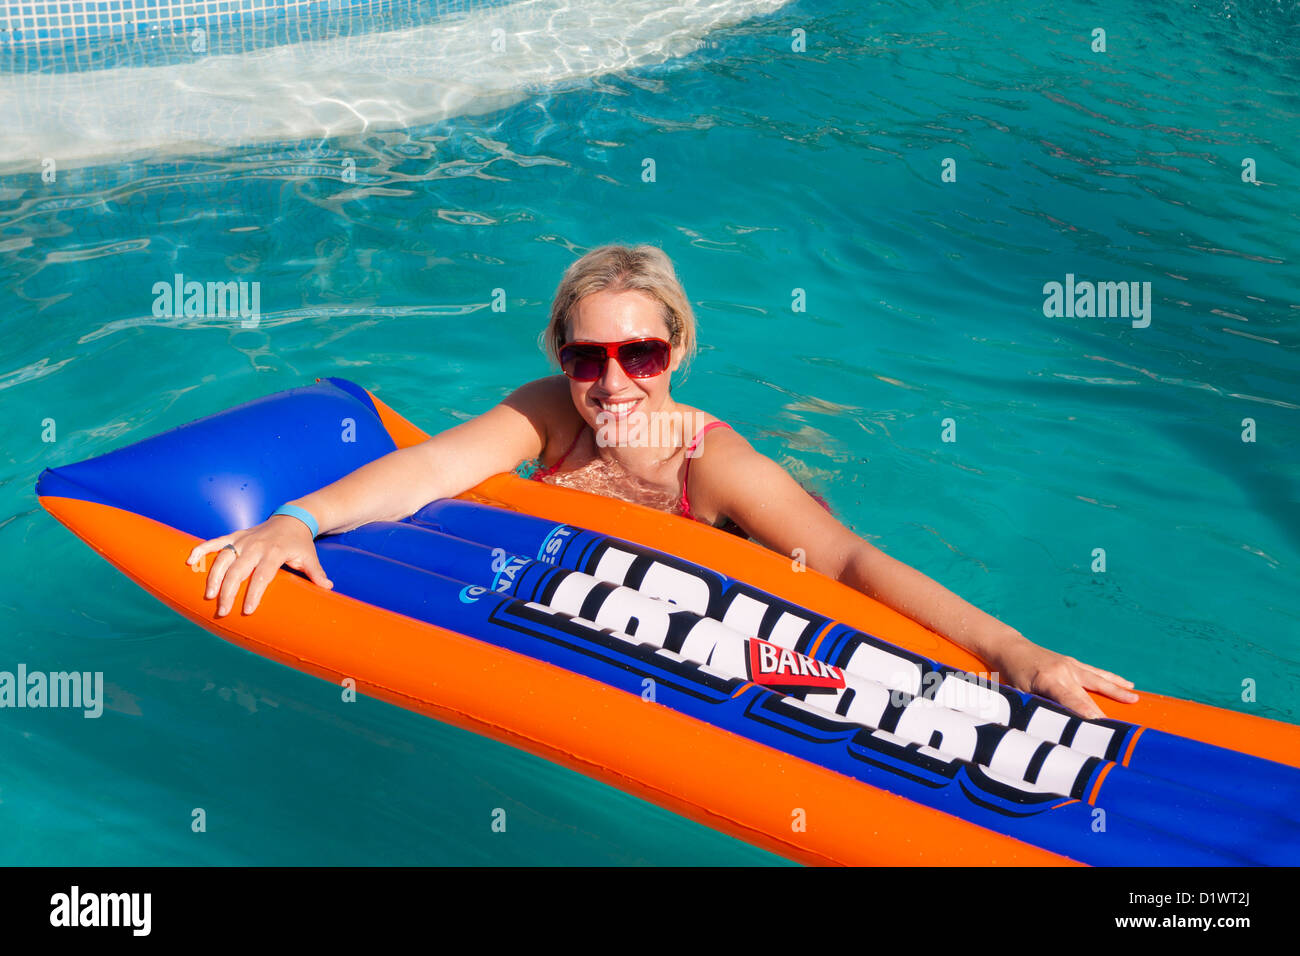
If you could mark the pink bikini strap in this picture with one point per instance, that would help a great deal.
(547, 472)
(699, 436)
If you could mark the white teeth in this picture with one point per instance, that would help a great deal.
(617, 409)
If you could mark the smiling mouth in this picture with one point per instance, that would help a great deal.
(618, 409)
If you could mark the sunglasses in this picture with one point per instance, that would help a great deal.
(640, 358)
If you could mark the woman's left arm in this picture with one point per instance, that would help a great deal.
(760, 496)
(1019, 661)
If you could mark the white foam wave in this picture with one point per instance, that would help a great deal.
(349, 84)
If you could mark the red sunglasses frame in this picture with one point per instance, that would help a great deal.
(611, 350)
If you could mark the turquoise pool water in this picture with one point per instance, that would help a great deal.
(775, 170)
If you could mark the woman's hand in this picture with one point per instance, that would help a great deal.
(1025, 665)
(280, 540)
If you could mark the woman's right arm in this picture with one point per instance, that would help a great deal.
(386, 489)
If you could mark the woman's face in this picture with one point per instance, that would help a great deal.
(617, 317)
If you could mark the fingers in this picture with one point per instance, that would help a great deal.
(1111, 689)
(311, 567)
(1112, 685)
(235, 573)
(216, 574)
(1064, 681)
(1077, 699)
(263, 574)
(207, 547)
(229, 569)
(256, 557)
(1070, 687)
(1113, 678)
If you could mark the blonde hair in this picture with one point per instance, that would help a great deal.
(617, 268)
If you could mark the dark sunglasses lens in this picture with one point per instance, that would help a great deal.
(583, 364)
(643, 359)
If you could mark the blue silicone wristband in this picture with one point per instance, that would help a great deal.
(302, 514)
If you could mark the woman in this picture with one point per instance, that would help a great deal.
(620, 326)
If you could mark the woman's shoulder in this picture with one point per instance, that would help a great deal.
(547, 393)
(547, 404)
(715, 450)
(715, 463)
(700, 427)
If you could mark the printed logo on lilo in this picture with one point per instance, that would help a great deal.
(779, 667)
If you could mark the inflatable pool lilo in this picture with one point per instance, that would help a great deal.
(680, 663)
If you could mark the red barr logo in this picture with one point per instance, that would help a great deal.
(773, 666)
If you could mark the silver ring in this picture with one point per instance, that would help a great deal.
(230, 547)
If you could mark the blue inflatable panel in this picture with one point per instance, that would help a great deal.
(231, 470)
